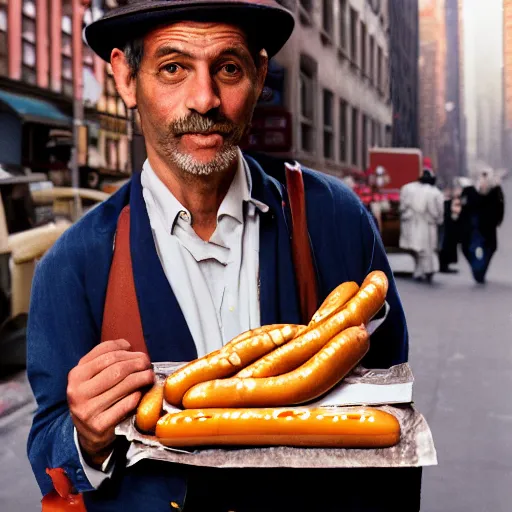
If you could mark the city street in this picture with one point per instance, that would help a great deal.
(461, 355)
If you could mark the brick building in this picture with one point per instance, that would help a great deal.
(44, 67)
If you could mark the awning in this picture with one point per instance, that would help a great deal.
(34, 110)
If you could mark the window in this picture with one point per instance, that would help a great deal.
(327, 15)
(371, 60)
(343, 130)
(305, 11)
(115, 105)
(379, 68)
(307, 103)
(353, 35)
(355, 136)
(28, 42)
(4, 60)
(384, 86)
(363, 49)
(376, 134)
(343, 24)
(328, 100)
(365, 141)
(67, 47)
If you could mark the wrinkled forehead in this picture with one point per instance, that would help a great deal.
(196, 39)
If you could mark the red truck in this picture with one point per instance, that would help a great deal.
(390, 169)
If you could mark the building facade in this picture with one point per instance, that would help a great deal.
(451, 150)
(404, 55)
(432, 76)
(331, 98)
(44, 68)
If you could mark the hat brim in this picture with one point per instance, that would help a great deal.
(269, 27)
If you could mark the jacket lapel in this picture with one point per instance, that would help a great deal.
(278, 290)
(166, 332)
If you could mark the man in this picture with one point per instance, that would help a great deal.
(211, 258)
(421, 212)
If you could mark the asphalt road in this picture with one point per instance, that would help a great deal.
(461, 355)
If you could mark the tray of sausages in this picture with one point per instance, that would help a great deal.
(283, 387)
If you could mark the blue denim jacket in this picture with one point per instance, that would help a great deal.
(67, 308)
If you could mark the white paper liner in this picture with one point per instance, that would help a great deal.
(362, 387)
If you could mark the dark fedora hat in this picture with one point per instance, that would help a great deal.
(265, 21)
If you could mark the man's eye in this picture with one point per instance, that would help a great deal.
(230, 69)
(171, 68)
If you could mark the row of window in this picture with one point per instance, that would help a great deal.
(347, 132)
(112, 104)
(351, 36)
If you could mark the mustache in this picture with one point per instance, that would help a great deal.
(196, 123)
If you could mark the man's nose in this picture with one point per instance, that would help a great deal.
(203, 93)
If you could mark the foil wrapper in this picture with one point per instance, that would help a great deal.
(374, 388)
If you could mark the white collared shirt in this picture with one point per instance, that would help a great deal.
(216, 282)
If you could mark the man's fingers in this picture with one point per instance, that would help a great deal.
(99, 364)
(133, 382)
(114, 415)
(112, 374)
(103, 348)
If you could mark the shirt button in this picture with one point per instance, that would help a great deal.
(231, 308)
(185, 216)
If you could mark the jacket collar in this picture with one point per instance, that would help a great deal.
(166, 332)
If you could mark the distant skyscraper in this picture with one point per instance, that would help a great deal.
(452, 145)
(432, 76)
(483, 49)
(507, 82)
(404, 53)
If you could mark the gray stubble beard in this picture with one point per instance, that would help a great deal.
(186, 163)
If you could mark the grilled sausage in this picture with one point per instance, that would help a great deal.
(150, 408)
(238, 353)
(352, 427)
(359, 310)
(335, 301)
(314, 378)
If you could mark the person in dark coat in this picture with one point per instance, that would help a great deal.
(483, 207)
(449, 236)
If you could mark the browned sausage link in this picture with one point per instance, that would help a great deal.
(227, 360)
(359, 310)
(349, 427)
(335, 301)
(314, 378)
(150, 408)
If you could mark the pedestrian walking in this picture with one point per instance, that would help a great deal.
(449, 235)
(483, 208)
(421, 212)
(210, 256)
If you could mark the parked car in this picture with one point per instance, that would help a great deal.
(30, 223)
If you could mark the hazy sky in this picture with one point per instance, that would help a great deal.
(483, 48)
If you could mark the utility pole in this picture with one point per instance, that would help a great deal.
(78, 106)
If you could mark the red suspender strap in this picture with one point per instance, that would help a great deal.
(301, 248)
(121, 315)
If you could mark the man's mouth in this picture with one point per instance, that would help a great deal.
(204, 140)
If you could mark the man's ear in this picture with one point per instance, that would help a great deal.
(125, 81)
(261, 71)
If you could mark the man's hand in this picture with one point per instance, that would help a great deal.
(102, 390)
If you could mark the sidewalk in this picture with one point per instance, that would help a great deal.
(18, 487)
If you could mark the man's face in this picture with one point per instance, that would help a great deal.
(196, 91)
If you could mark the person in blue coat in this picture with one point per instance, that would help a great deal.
(211, 257)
